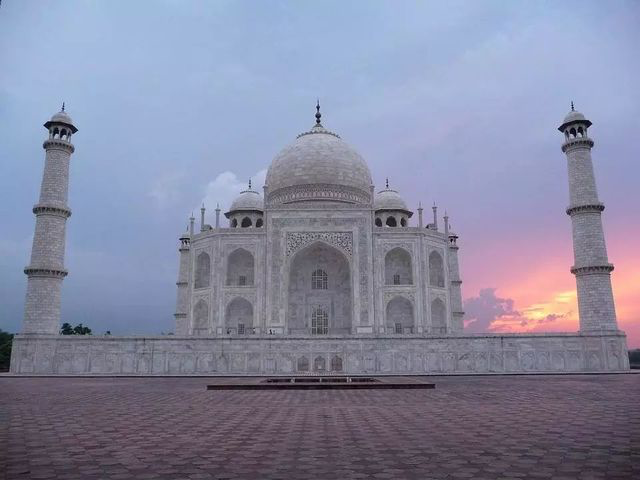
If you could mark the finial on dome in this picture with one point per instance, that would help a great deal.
(387, 183)
(572, 109)
(63, 106)
(318, 114)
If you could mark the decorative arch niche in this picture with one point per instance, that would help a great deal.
(438, 316)
(203, 270)
(201, 318)
(436, 270)
(399, 315)
(304, 299)
(397, 267)
(238, 318)
(240, 268)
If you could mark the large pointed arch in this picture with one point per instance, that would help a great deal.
(319, 281)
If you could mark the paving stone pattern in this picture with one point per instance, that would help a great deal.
(540, 427)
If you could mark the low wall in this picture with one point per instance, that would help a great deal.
(273, 355)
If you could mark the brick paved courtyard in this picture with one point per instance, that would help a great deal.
(468, 427)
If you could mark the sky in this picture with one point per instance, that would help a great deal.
(456, 102)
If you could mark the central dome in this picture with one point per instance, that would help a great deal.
(318, 166)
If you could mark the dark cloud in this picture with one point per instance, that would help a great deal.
(552, 317)
(483, 310)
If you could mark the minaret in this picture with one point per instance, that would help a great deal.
(46, 268)
(457, 310)
(182, 300)
(591, 265)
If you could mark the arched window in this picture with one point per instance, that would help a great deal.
(246, 222)
(319, 321)
(240, 268)
(391, 222)
(234, 223)
(336, 364)
(201, 318)
(397, 267)
(319, 280)
(403, 222)
(319, 364)
(378, 222)
(438, 316)
(573, 133)
(56, 132)
(203, 270)
(436, 270)
(259, 223)
(303, 364)
(580, 132)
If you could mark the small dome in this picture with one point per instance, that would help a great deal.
(249, 200)
(62, 117)
(389, 200)
(573, 116)
(318, 166)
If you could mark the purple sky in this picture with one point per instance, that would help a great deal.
(177, 102)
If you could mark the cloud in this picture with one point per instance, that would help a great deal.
(489, 313)
(227, 185)
(482, 311)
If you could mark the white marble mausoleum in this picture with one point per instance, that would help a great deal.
(319, 272)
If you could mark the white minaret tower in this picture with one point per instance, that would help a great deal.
(182, 301)
(46, 269)
(591, 265)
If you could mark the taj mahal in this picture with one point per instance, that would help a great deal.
(319, 272)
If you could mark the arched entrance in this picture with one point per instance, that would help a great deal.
(319, 295)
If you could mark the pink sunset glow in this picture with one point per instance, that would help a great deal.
(529, 295)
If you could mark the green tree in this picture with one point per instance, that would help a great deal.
(66, 329)
(6, 340)
(81, 330)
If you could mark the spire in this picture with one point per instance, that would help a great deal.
(572, 109)
(63, 106)
(217, 216)
(318, 114)
(387, 183)
(435, 216)
(249, 184)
